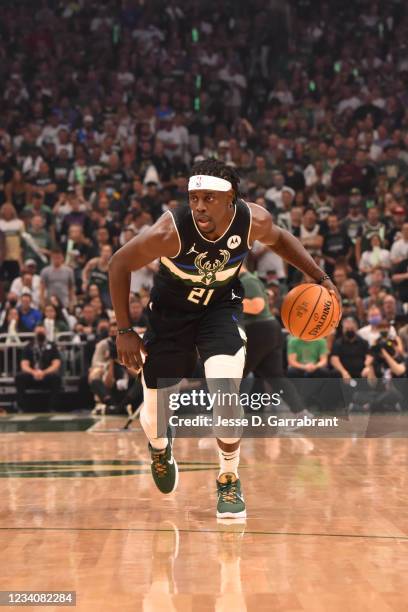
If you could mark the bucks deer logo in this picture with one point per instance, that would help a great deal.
(209, 269)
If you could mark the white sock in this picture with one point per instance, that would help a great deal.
(148, 419)
(228, 461)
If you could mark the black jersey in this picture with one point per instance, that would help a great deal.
(204, 271)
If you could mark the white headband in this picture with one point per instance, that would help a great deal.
(212, 183)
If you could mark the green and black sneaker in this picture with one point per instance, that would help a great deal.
(164, 467)
(230, 499)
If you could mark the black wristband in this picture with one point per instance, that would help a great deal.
(323, 278)
(125, 330)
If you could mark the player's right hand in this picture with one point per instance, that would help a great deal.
(130, 348)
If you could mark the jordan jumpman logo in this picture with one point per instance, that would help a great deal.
(192, 250)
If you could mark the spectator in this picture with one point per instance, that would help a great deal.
(38, 207)
(40, 367)
(62, 312)
(399, 249)
(260, 179)
(372, 226)
(29, 317)
(37, 241)
(273, 195)
(391, 309)
(12, 229)
(375, 258)
(16, 191)
(76, 216)
(321, 201)
(78, 252)
(137, 317)
(395, 169)
(100, 310)
(12, 326)
(284, 218)
(346, 175)
(310, 233)
(28, 279)
(88, 321)
(398, 219)
(375, 323)
(44, 181)
(58, 279)
(53, 324)
(336, 243)
(353, 224)
(352, 304)
(294, 179)
(399, 279)
(349, 352)
(307, 359)
(96, 273)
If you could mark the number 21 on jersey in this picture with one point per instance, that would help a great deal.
(200, 295)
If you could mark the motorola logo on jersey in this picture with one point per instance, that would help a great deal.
(209, 269)
(233, 242)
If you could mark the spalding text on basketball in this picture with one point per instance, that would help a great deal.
(326, 311)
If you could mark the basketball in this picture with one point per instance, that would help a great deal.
(310, 312)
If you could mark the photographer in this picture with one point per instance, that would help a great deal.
(105, 374)
(376, 323)
(383, 364)
(100, 373)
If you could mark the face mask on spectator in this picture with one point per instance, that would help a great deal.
(350, 334)
(103, 333)
(13, 302)
(375, 320)
(40, 337)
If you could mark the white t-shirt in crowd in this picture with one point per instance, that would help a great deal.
(17, 288)
(268, 261)
(371, 334)
(399, 250)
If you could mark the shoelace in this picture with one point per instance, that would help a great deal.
(160, 464)
(229, 493)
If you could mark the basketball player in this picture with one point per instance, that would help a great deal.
(196, 303)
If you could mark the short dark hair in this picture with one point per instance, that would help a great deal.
(215, 167)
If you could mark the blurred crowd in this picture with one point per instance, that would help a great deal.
(105, 105)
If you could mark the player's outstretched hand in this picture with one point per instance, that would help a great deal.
(130, 348)
(331, 287)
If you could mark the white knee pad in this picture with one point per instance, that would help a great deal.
(229, 368)
(225, 366)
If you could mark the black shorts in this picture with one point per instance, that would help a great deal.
(173, 339)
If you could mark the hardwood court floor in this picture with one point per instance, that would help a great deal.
(327, 529)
